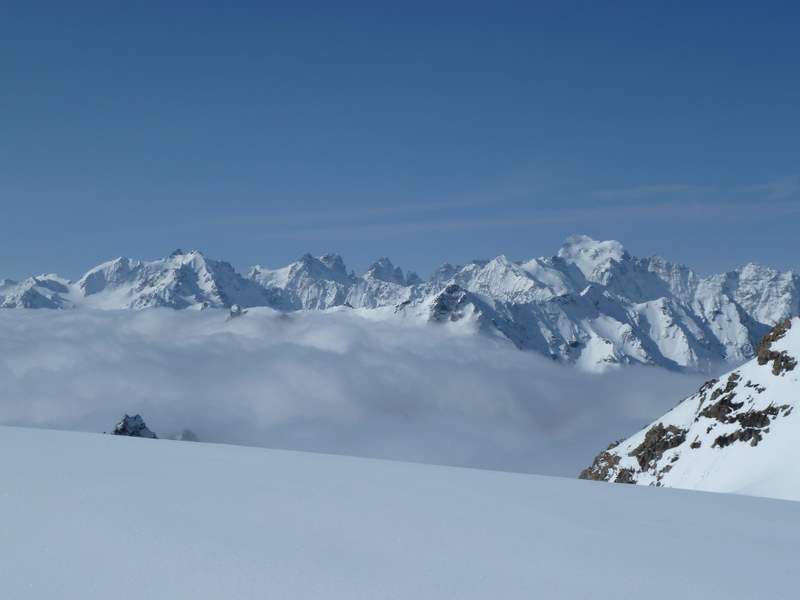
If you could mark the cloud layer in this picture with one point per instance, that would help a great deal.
(329, 382)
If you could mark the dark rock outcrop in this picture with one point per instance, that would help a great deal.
(133, 426)
(781, 361)
(657, 440)
(602, 466)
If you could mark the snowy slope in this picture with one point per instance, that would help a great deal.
(88, 516)
(737, 434)
(592, 304)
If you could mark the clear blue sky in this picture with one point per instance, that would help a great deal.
(424, 131)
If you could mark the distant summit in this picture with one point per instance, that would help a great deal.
(592, 304)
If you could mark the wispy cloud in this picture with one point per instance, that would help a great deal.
(778, 189)
(681, 190)
(577, 217)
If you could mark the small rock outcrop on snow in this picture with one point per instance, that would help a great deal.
(738, 433)
(592, 304)
(236, 311)
(133, 426)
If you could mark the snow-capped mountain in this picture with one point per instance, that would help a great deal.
(738, 433)
(320, 283)
(592, 304)
(44, 291)
(181, 280)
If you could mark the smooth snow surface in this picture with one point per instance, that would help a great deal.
(94, 517)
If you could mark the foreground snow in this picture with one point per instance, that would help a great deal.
(89, 516)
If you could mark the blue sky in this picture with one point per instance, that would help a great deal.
(427, 132)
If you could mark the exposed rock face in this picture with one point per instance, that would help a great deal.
(604, 464)
(657, 440)
(449, 305)
(133, 426)
(781, 362)
(732, 432)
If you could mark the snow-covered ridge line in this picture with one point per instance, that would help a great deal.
(592, 304)
(738, 433)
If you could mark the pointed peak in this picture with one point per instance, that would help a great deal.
(334, 262)
(384, 270)
(179, 253)
(587, 253)
(584, 244)
(383, 262)
(501, 260)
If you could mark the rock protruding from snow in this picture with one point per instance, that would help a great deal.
(738, 433)
(236, 311)
(133, 426)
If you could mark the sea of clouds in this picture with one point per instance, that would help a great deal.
(327, 382)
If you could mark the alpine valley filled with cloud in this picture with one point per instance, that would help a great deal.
(591, 304)
(470, 300)
(528, 366)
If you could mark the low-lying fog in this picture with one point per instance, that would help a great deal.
(327, 382)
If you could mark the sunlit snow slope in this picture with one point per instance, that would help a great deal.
(739, 433)
(90, 516)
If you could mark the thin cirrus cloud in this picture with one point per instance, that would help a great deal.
(786, 187)
(647, 191)
(652, 211)
(329, 382)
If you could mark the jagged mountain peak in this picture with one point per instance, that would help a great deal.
(443, 274)
(334, 262)
(385, 270)
(591, 255)
(591, 304)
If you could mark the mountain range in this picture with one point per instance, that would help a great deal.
(591, 304)
(738, 433)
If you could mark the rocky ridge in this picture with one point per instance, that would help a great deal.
(592, 304)
(734, 434)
